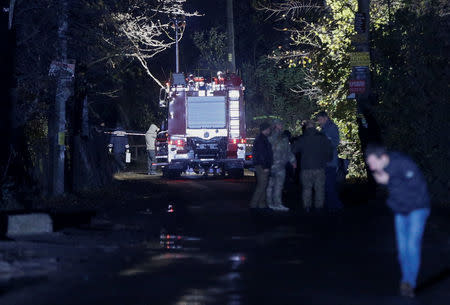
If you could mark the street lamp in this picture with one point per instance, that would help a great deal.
(177, 23)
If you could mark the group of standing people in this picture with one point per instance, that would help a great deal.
(271, 152)
(318, 164)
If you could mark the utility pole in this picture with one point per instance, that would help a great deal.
(7, 48)
(360, 80)
(64, 73)
(231, 62)
(364, 46)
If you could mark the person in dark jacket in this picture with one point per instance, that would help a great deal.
(262, 160)
(315, 151)
(409, 200)
(331, 131)
(119, 142)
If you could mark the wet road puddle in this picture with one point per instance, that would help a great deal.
(226, 288)
(160, 260)
(209, 296)
(176, 241)
(146, 212)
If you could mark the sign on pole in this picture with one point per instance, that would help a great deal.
(67, 67)
(356, 86)
(359, 59)
(360, 22)
(358, 39)
(360, 72)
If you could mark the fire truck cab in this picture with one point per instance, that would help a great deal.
(205, 125)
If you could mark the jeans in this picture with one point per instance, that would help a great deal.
(331, 192)
(409, 230)
(150, 159)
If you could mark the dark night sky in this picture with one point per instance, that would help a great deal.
(214, 15)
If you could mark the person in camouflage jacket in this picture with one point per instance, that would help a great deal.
(282, 154)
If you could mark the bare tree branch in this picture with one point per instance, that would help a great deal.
(149, 36)
(290, 9)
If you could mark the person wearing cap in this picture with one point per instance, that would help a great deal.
(262, 160)
(331, 131)
(282, 154)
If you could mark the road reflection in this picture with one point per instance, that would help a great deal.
(227, 289)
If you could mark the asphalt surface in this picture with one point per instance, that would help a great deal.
(150, 240)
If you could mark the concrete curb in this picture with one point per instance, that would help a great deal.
(25, 224)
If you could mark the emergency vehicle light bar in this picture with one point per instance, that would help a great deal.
(238, 141)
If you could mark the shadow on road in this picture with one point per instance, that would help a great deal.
(434, 280)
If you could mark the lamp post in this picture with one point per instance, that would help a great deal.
(177, 51)
(230, 29)
(178, 22)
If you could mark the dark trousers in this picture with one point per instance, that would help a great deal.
(119, 157)
(331, 193)
(259, 196)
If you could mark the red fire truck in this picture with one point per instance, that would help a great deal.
(205, 126)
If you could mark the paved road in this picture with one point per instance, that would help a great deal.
(212, 250)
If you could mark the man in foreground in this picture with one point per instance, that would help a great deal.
(409, 200)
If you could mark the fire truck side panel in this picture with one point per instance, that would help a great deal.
(243, 127)
(177, 113)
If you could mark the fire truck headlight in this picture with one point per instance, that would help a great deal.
(234, 94)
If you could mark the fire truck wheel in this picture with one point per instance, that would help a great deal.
(236, 173)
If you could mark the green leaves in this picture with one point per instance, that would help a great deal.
(212, 47)
(321, 38)
(273, 90)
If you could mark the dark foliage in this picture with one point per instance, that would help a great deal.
(412, 75)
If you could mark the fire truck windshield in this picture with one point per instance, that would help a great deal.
(206, 112)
